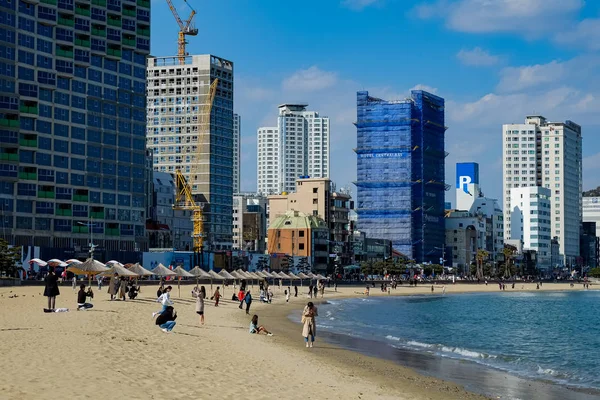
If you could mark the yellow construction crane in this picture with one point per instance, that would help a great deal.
(185, 201)
(185, 28)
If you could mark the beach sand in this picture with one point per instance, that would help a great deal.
(116, 351)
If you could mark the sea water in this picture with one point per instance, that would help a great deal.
(541, 335)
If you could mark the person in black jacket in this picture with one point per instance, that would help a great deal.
(166, 319)
(51, 289)
(82, 295)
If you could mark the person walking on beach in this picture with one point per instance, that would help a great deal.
(248, 300)
(74, 280)
(287, 296)
(51, 289)
(310, 291)
(166, 319)
(315, 290)
(165, 300)
(123, 288)
(99, 279)
(309, 325)
(113, 286)
(295, 290)
(217, 296)
(200, 295)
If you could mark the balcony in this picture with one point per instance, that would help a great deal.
(81, 197)
(25, 109)
(9, 156)
(143, 3)
(80, 229)
(100, 31)
(113, 52)
(31, 176)
(46, 194)
(11, 123)
(82, 11)
(101, 3)
(64, 21)
(113, 21)
(143, 32)
(65, 212)
(83, 42)
(111, 232)
(64, 52)
(51, 2)
(128, 42)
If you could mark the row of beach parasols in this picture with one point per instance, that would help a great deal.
(92, 267)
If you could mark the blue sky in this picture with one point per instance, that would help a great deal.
(494, 61)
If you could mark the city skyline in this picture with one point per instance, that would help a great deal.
(493, 72)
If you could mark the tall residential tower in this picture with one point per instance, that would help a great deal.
(177, 96)
(400, 172)
(547, 154)
(237, 148)
(73, 125)
(298, 146)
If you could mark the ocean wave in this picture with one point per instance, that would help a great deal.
(546, 371)
(419, 344)
(390, 337)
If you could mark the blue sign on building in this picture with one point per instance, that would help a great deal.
(466, 173)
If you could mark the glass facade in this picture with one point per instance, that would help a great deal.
(73, 122)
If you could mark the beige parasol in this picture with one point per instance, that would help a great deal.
(118, 269)
(89, 267)
(181, 273)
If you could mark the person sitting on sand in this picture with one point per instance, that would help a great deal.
(166, 319)
(82, 295)
(165, 300)
(255, 329)
(133, 291)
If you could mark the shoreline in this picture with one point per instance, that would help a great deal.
(120, 352)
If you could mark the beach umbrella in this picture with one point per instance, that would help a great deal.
(139, 270)
(292, 277)
(119, 270)
(302, 276)
(213, 275)
(181, 273)
(55, 262)
(89, 267)
(227, 276)
(39, 262)
(73, 261)
(161, 270)
(113, 262)
(320, 277)
(199, 273)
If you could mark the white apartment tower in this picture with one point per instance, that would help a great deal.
(237, 144)
(546, 154)
(530, 216)
(177, 105)
(298, 146)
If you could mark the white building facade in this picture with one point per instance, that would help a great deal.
(591, 211)
(237, 148)
(176, 109)
(298, 146)
(547, 154)
(530, 216)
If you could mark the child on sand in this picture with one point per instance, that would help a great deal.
(200, 294)
(217, 296)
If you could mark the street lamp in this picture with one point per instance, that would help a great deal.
(91, 226)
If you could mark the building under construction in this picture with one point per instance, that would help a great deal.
(400, 173)
(190, 129)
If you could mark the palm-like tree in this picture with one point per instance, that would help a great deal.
(482, 256)
(509, 253)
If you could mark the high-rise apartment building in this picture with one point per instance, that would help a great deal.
(530, 216)
(237, 147)
(400, 172)
(547, 154)
(73, 125)
(591, 211)
(177, 99)
(298, 146)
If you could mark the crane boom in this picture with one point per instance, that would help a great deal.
(185, 201)
(185, 28)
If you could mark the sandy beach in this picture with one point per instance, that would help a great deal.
(116, 350)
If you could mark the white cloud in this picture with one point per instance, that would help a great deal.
(586, 34)
(477, 57)
(525, 77)
(358, 5)
(526, 17)
(310, 80)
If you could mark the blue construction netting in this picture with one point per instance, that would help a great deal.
(400, 172)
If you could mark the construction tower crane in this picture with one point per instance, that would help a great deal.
(185, 28)
(185, 201)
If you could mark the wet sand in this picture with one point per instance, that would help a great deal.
(116, 350)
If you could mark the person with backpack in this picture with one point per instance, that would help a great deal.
(248, 300)
(166, 319)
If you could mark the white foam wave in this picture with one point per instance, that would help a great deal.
(390, 337)
(419, 344)
(546, 371)
(465, 352)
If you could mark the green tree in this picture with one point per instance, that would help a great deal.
(509, 254)
(9, 257)
(481, 257)
(594, 273)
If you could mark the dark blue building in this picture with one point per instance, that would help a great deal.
(400, 172)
